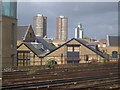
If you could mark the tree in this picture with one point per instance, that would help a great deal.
(51, 63)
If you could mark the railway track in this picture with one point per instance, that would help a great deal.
(62, 77)
(59, 82)
(93, 84)
(73, 67)
(70, 74)
(21, 75)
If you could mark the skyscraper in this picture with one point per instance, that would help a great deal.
(40, 25)
(9, 34)
(79, 31)
(61, 28)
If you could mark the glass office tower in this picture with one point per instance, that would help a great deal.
(9, 9)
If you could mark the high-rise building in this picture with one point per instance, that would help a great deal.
(9, 34)
(79, 31)
(40, 25)
(62, 28)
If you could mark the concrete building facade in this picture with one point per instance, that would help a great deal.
(40, 25)
(61, 28)
(9, 34)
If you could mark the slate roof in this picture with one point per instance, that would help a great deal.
(42, 53)
(114, 40)
(46, 45)
(21, 30)
(84, 43)
(94, 50)
(38, 52)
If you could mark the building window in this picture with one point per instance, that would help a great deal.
(51, 62)
(114, 54)
(73, 53)
(30, 35)
(23, 58)
(76, 49)
(70, 49)
(69, 62)
(9, 9)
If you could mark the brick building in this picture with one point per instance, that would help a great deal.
(73, 51)
(113, 46)
(25, 34)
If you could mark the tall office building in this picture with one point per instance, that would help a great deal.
(79, 31)
(62, 28)
(40, 25)
(9, 34)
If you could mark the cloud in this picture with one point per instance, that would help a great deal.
(96, 17)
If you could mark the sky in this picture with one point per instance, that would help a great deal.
(98, 18)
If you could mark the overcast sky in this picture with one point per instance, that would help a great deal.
(98, 19)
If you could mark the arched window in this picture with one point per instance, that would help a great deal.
(51, 62)
(114, 54)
